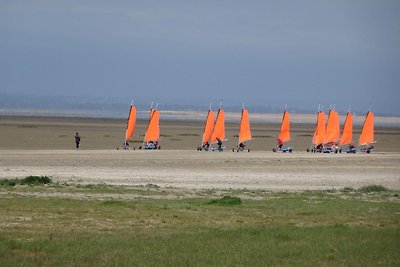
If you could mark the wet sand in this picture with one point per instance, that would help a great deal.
(45, 146)
(29, 133)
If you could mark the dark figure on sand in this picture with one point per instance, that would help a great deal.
(206, 146)
(77, 140)
(280, 144)
(126, 145)
(219, 143)
(241, 146)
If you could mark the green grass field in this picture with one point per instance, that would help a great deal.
(75, 225)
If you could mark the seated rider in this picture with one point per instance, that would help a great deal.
(241, 146)
(335, 147)
(206, 145)
(126, 144)
(280, 144)
(219, 143)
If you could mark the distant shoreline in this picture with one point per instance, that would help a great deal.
(195, 116)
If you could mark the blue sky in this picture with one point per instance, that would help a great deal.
(299, 53)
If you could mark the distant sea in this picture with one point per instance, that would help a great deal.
(47, 106)
(173, 115)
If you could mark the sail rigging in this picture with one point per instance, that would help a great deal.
(152, 112)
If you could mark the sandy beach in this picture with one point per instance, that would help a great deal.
(206, 170)
(45, 146)
(31, 133)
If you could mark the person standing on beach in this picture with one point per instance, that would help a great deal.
(77, 140)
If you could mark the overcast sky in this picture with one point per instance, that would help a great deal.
(300, 53)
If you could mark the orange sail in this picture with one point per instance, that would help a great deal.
(219, 128)
(153, 129)
(314, 139)
(130, 127)
(332, 131)
(244, 132)
(319, 134)
(347, 134)
(208, 128)
(284, 135)
(367, 133)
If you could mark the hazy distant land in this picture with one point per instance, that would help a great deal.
(114, 107)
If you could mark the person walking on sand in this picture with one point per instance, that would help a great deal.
(77, 140)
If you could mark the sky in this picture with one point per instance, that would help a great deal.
(272, 53)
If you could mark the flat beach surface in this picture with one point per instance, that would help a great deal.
(32, 133)
(45, 146)
(206, 170)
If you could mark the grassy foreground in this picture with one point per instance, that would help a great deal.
(267, 229)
